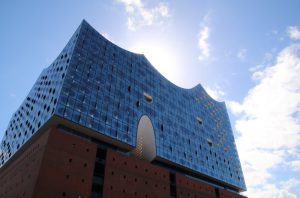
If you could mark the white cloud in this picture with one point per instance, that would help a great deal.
(130, 24)
(268, 126)
(203, 38)
(293, 32)
(281, 190)
(139, 15)
(203, 44)
(291, 183)
(216, 93)
(242, 54)
(235, 107)
(286, 194)
(267, 191)
(295, 165)
(267, 59)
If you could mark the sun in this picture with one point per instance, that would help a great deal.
(161, 56)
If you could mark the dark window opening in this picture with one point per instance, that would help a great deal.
(209, 142)
(148, 97)
(99, 169)
(217, 192)
(199, 120)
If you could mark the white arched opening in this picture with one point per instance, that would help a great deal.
(145, 144)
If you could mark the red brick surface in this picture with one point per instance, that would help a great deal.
(18, 177)
(67, 167)
(55, 165)
(187, 187)
(227, 194)
(58, 164)
(130, 177)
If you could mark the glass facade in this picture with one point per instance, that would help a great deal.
(107, 89)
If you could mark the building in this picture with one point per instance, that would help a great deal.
(101, 121)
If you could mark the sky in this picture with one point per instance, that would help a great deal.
(246, 53)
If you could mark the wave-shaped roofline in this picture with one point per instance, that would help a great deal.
(196, 87)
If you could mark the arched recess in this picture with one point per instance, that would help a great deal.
(145, 143)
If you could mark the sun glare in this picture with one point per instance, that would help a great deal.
(162, 57)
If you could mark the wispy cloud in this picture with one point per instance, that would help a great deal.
(242, 54)
(266, 61)
(289, 184)
(216, 93)
(295, 165)
(267, 123)
(13, 95)
(203, 37)
(293, 32)
(138, 14)
(203, 43)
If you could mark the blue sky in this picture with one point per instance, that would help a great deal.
(244, 52)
